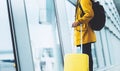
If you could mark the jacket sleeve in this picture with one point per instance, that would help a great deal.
(87, 8)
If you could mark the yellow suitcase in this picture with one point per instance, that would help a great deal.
(76, 61)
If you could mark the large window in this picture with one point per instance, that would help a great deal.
(44, 35)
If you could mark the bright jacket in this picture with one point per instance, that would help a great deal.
(88, 35)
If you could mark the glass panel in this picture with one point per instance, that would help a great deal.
(44, 35)
(95, 63)
(6, 47)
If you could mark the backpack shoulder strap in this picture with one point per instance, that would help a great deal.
(81, 9)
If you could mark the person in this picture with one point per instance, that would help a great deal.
(88, 35)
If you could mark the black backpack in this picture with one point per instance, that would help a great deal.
(98, 21)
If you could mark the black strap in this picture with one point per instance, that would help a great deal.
(79, 5)
(81, 9)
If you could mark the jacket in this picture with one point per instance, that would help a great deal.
(88, 35)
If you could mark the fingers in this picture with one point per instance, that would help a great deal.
(75, 24)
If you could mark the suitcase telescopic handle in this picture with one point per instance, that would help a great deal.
(81, 45)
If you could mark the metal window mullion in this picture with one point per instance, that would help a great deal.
(13, 36)
(21, 33)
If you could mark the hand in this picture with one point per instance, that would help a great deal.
(75, 24)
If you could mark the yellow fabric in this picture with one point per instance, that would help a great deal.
(76, 62)
(88, 34)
